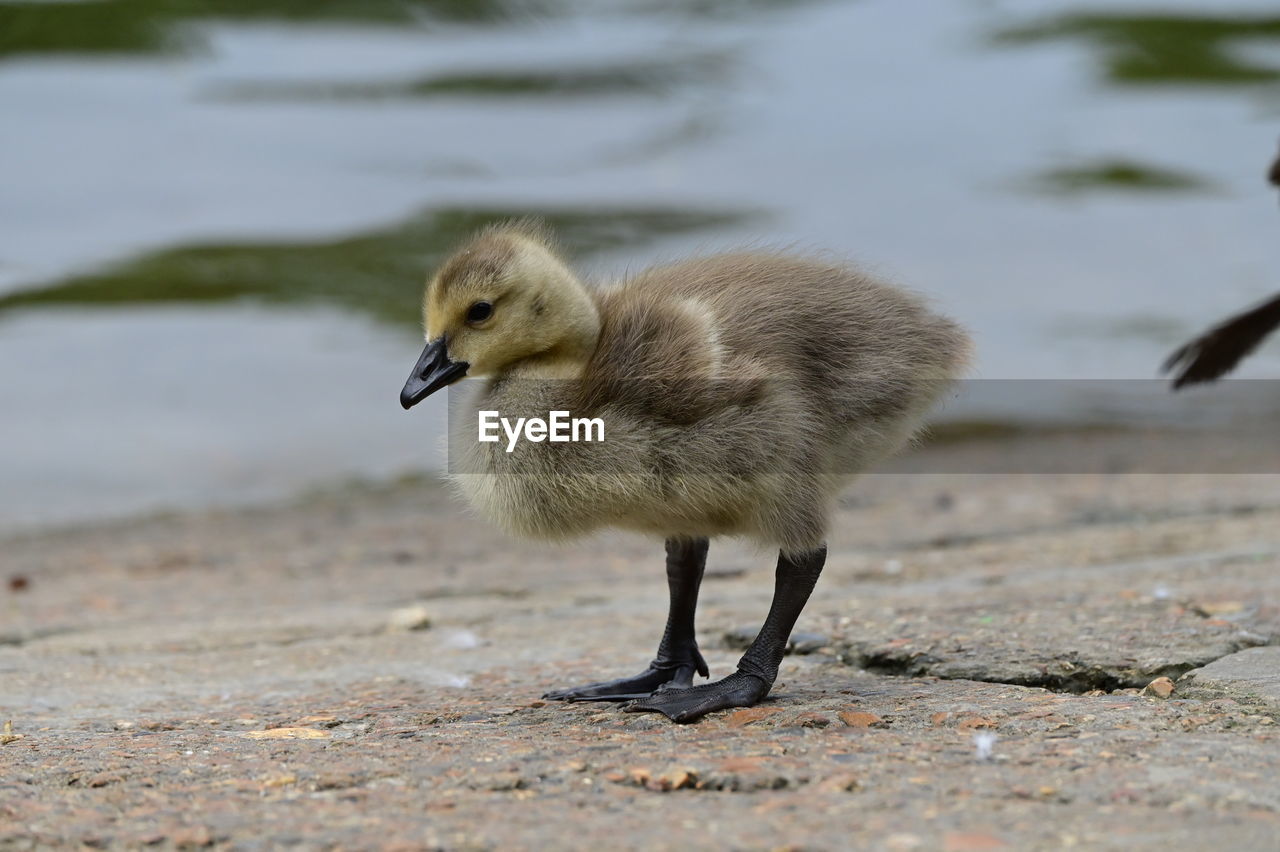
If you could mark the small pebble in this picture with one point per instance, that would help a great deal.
(859, 719)
(409, 618)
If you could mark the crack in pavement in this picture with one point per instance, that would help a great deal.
(1077, 679)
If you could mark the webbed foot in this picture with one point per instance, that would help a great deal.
(689, 705)
(659, 675)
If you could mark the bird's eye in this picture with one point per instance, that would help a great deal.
(479, 312)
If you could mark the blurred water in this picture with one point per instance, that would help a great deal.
(215, 216)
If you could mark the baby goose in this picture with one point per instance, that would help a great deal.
(738, 394)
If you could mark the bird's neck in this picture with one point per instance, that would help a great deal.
(568, 355)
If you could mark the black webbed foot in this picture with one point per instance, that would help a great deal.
(678, 656)
(659, 675)
(758, 668)
(689, 705)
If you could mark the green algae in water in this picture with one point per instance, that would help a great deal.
(1115, 175)
(151, 26)
(163, 26)
(630, 78)
(1160, 49)
(376, 273)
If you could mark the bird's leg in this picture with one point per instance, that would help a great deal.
(678, 657)
(758, 669)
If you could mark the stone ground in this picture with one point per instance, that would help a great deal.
(979, 678)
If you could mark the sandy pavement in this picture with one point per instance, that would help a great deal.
(248, 679)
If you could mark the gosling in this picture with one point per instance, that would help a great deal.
(739, 393)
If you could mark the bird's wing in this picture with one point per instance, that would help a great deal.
(655, 357)
(1221, 348)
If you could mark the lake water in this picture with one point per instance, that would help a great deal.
(215, 217)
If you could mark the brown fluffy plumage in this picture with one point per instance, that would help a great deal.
(739, 392)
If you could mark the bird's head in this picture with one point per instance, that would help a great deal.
(503, 300)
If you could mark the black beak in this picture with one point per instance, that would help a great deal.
(433, 371)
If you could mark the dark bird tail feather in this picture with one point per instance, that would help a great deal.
(1221, 348)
